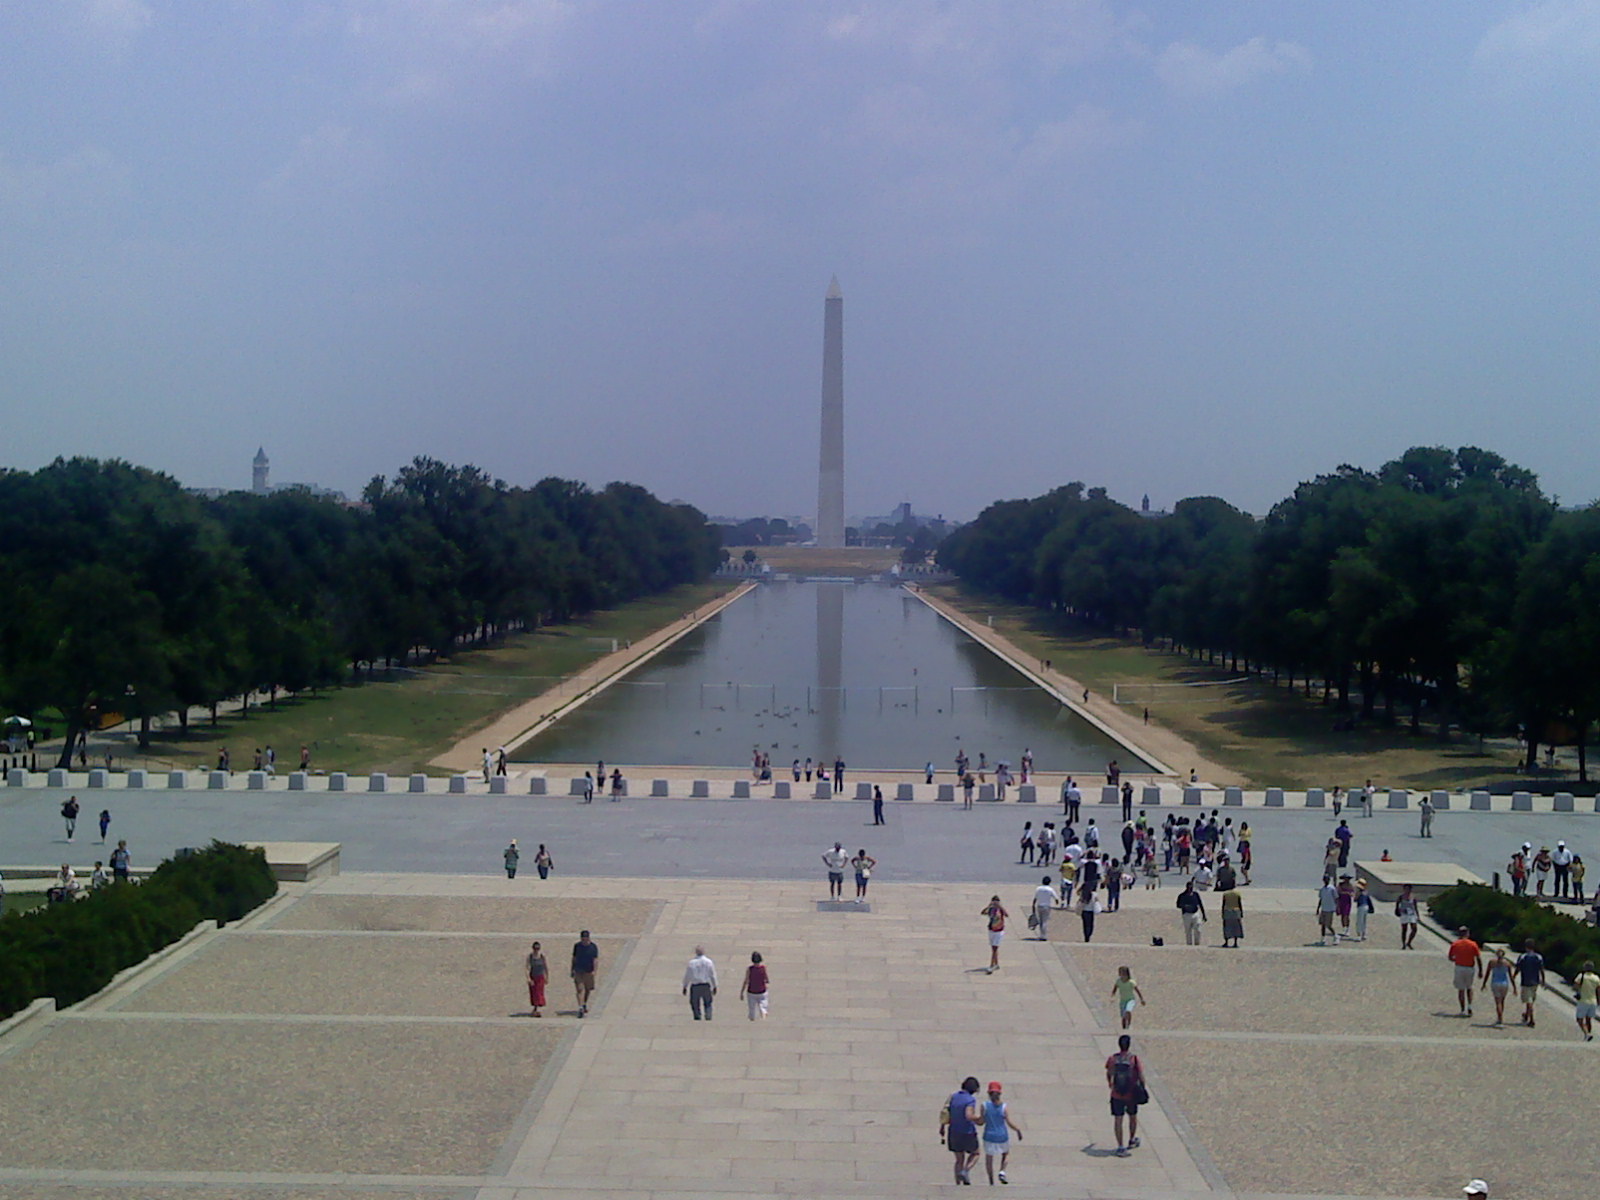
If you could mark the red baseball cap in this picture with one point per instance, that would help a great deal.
(994, 1086)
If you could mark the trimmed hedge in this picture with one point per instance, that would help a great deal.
(71, 951)
(1494, 916)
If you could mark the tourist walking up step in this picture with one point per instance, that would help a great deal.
(1044, 903)
(835, 860)
(585, 960)
(958, 1128)
(1345, 836)
(997, 1130)
(588, 787)
(1426, 809)
(1497, 978)
(1587, 986)
(700, 983)
(120, 859)
(542, 862)
(1125, 1075)
(1127, 800)
(1464, 955)
(488, 763)
(69, 814)
(1193, 908)
(1530, 976)
(753, 991)
(1027, 843)
(877, 805)
(1071, 800)
(1405, 911)
(995, 913)
(617, 785)
(1327, 905)
(1126, 994)
(1541, 870)
(1232, 919)
(838, 775)
(512, 856)
(966, 790)
(1364, 909)
(1517, 871)
(105, 823)
(538, 975)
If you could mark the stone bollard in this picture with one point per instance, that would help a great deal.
(986, 791)
(137, 777)
(98, 777)
(1441, 801)
(538, 785)
(297, 781)
(741, 789)
(177, 779)
(575, 788)
(458, 784)
(1316, 798)
(498, 784)
(1232, 796)
(378, 781)
(1274, 798)
(1399, 798)
(1479, 802)
(1151, 795)
(781, 789)
(1109, 794)
(1521, 802)
(1563, 802)
(658, 788)
(217, 780)
(1027, 793)
(16, 777)
(947, 791)
(338, 781)
(700, 789)
(824, 791)
(1193, 796)
(256, 781)
(57, 778)
(419, 783)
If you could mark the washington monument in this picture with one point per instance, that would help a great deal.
(830, 473)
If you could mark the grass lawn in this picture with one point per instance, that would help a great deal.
(1271, 735)
(400, 720)
(21, 902)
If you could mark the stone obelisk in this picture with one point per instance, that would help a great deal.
(830, 473)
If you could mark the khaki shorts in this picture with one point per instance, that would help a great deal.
(1464, 978)
(1530, 994)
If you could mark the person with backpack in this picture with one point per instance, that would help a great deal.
(958, 1127)
(1125, 1075)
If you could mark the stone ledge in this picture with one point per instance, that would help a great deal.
(300, 862)
(1427, 879)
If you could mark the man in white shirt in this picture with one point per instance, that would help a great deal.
(700, 983)
(1562, 860)
(1044, 902)
(835, 860)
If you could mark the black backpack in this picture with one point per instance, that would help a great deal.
(1122, 1076)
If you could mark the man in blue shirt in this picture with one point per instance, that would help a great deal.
(585, 956)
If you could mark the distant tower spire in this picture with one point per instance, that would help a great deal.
(830, 474)
(258, 471)
(1145, 507)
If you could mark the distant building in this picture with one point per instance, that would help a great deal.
(258, 472)
(1146, 511)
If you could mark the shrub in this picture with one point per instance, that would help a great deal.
(71, 951)
(1493, 916)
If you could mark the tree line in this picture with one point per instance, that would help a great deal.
(122, 592)
(1444, 584)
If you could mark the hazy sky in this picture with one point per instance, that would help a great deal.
(1183, 248)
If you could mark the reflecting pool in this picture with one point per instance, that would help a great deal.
(859, 671)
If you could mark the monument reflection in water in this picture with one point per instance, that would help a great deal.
(863, 672)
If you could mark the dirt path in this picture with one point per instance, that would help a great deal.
(515, 726)
(1152, 742)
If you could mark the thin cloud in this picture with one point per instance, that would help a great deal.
(1195, 71)
(1556, 35)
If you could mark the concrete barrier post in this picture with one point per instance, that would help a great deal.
(947, 791)
(1479, 802)
(824, 791)
(1441, 801)
(1274, 797)
(98, 777)
(498, 784)
(1232, 796)
(1193, 796)
(57, 778)
(741, 789)
(136, 777)
(378, 781)
(1027, 793)
(658, 788)
(419, 783)
(700, 789)
(16, 777)
(538, 785)
(1316, 798)
(217, 780)
(1399, 798)
(177, 780)
(458, 784)
(986, 791)
(781, 789)
(1109, 794)
(338, 781)
(256, 781)
(1521, 801)
(1152, 795)
(297, 781)
(575, 787)
(1563, 802)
